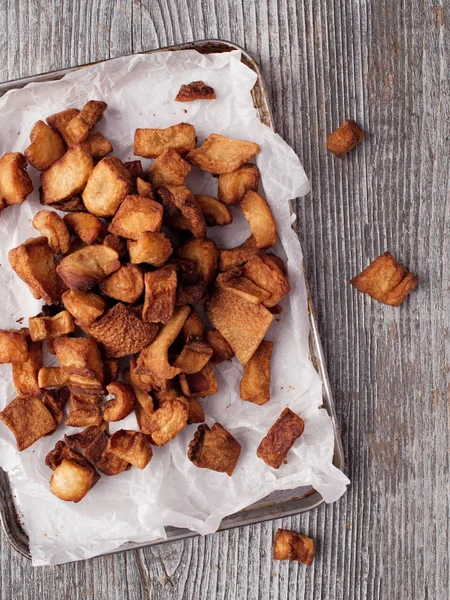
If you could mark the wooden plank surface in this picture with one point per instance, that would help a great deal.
(386, 64)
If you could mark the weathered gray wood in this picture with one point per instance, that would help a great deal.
(385, 64)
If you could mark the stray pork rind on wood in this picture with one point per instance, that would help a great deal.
(293, 546)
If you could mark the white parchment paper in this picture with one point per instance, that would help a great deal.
(137, 505)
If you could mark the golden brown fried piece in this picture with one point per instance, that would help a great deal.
(50, 225)
(201, 384)
(85, 268)
(153, 360)
(108, 186)
(154, 248)
(150, 143)
(86, 226)
(144, 406)
(234, 281)
(25, 374)
(215, 449)
(386, 280)
(74, 204)
(220, 154)
(95, 452)
(233, 186)
(242, 323)
(80, 359)
(78, 128)
(167, 422)
(204, 256)
(46, 147)
(220, 347)
(116, 243)
(267, 273)
(28, 419)
(52, 377)
(15, 183)
(260, 218)
(193, 357)
(144, 189)
(234, 257)
(214, 212)
(120, 331)
(72, 481)
(344, 139)
(193, 327)
(67, 176)
(35, 263)
(280, 437)
(168, 169)
(13, 346)
(181, 210)
(131, 446)
(123, 403)
(196, 412)
(293, 546)
(100, 146)
(160, 294)
(135, 216)
(255, 384)
(83, 411)
(84, 306)
(55, 401)
(126, 284)
(42, 328)
(59, 121)
(196, 90)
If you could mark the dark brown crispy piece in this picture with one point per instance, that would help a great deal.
(111, 369)
(83, 411)
(232, 186)
(196, 412)
(193, 327)
(344, 139)
(201, 384)
(25, 374)
(255, 384)
(234, 257)
(116, 243)
(15, 183)
(61, 452)
(160, 294)
(13, 346)
(35, 263)
(214, 449)
(280, 437)
(110, 464)
(120, 331)
(84, 438)
(386, 280)
(28, 419)
(181, 210)
(73, 204)
(293, 546)
(220, 347)
(196, 90)
(55, 401)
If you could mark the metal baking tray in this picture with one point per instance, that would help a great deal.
(276, 505)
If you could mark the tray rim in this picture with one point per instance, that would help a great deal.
(311, 499)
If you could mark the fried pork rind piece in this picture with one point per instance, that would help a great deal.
(150, 143)
(86, 226)
(205, 257)
(52, 377)
(116, 243)
(120, 331)
(280, 437)
(260, 218)
(72, 481)
(153, 360)
(62, 451)
(50, 225)
(168, 169)
(108, 186)
(131, 446)
(25, 374)
(193, 327)
(269, 273)
(13, 346)
(100, 146)
(201, 384)
(144, 406)
(219, 154)
(78, 128)
(68, 176)
(242, 323)
(144, 189)
(154, 248)
(74, 204)
(196, 90)
(194, 356)
(126, 284)
(214, 212)
(196, 412)
(85, 268)
(136, 215)
(220, 347)
(15, 183)
(160, 295)
(59, 122)
(293, 546)
(83, 411)
(215, 449)
(55, 401)
(84, 438)
(46, 147)
(111, 369)
(95, 443)
(84, 306)
(344, 139)
(234, 257)
(134, 168)
(234, 281)
(255, 384)
(80, 359)
(35, 264)
(168, 420)
(28, 419)
(181, 210)
(233, 186)
(42, 328)
(386, 280)
(123, 403)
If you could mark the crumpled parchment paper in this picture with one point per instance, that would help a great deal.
(137, 505)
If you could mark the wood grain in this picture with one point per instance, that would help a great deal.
(386, 65)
